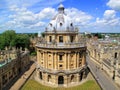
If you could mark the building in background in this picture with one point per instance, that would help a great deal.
(106, 53)
(12, 63)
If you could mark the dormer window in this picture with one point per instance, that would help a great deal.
(60, 24)
(50, 38)
(61, 39)
(71, 24)
(51, 24)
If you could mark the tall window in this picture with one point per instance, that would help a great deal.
(116, 55)
(61, 39)
(49, 77)
(71, 38)
(60, 57)
(40, 73)
(72, 78)
(41, 55)
(50, 38)
(80, 55)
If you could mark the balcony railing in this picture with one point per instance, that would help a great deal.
(53, 71)
(62, 30)
(61, 45)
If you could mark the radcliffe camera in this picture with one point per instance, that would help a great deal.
(60, 45)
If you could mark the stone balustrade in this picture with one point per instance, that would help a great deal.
(61, 45)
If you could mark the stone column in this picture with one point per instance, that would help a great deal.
(55, 61)
(68, 61)
(65, 80)
(75, 61)
(78, 59)
(68, 80)
(83, 60)
(53, 79)
(65, 62)
(56, 79)
(46, 59)
(78, 77)
(38, 60)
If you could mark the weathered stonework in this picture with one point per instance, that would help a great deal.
(106, 53)
(12, 63)
(61, 55)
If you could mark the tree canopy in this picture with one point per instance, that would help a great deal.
(10, 39)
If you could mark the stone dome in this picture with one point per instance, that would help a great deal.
(60, 22)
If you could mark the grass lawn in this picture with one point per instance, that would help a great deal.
(33, 85)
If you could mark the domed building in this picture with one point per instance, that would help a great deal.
(61, 55)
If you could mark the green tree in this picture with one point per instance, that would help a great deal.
(10, 39)
(6, 38)
(22, 40)
(99, 35)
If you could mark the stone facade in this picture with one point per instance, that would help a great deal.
(106, 53)
(12, 63)
(61, 55)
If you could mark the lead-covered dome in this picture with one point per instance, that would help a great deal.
(60, 22)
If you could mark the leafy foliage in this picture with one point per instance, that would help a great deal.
(10, 39)
(99, 35)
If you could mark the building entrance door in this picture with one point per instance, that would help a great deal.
(60, 80)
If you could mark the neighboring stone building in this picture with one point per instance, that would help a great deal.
(33, 42)
(12, 63)
(61, 55)
(106, 53)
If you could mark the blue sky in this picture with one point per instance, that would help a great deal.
(27, 16)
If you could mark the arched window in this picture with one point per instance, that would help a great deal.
(49, 77)
(50, 38)
(81, 76)
(115, 55)
(72, 78)
(71, 24)
(51, 24)
(60, 80)
(60, 24)
(40, 75)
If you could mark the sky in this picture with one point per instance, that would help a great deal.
(31, 16)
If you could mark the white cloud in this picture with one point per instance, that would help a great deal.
(22, 17)
(29, 3)
(79, 17)
(108, 14)
(109, 18)
(114, 4)
(46, 13)
(108, 23)
(22, 3)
